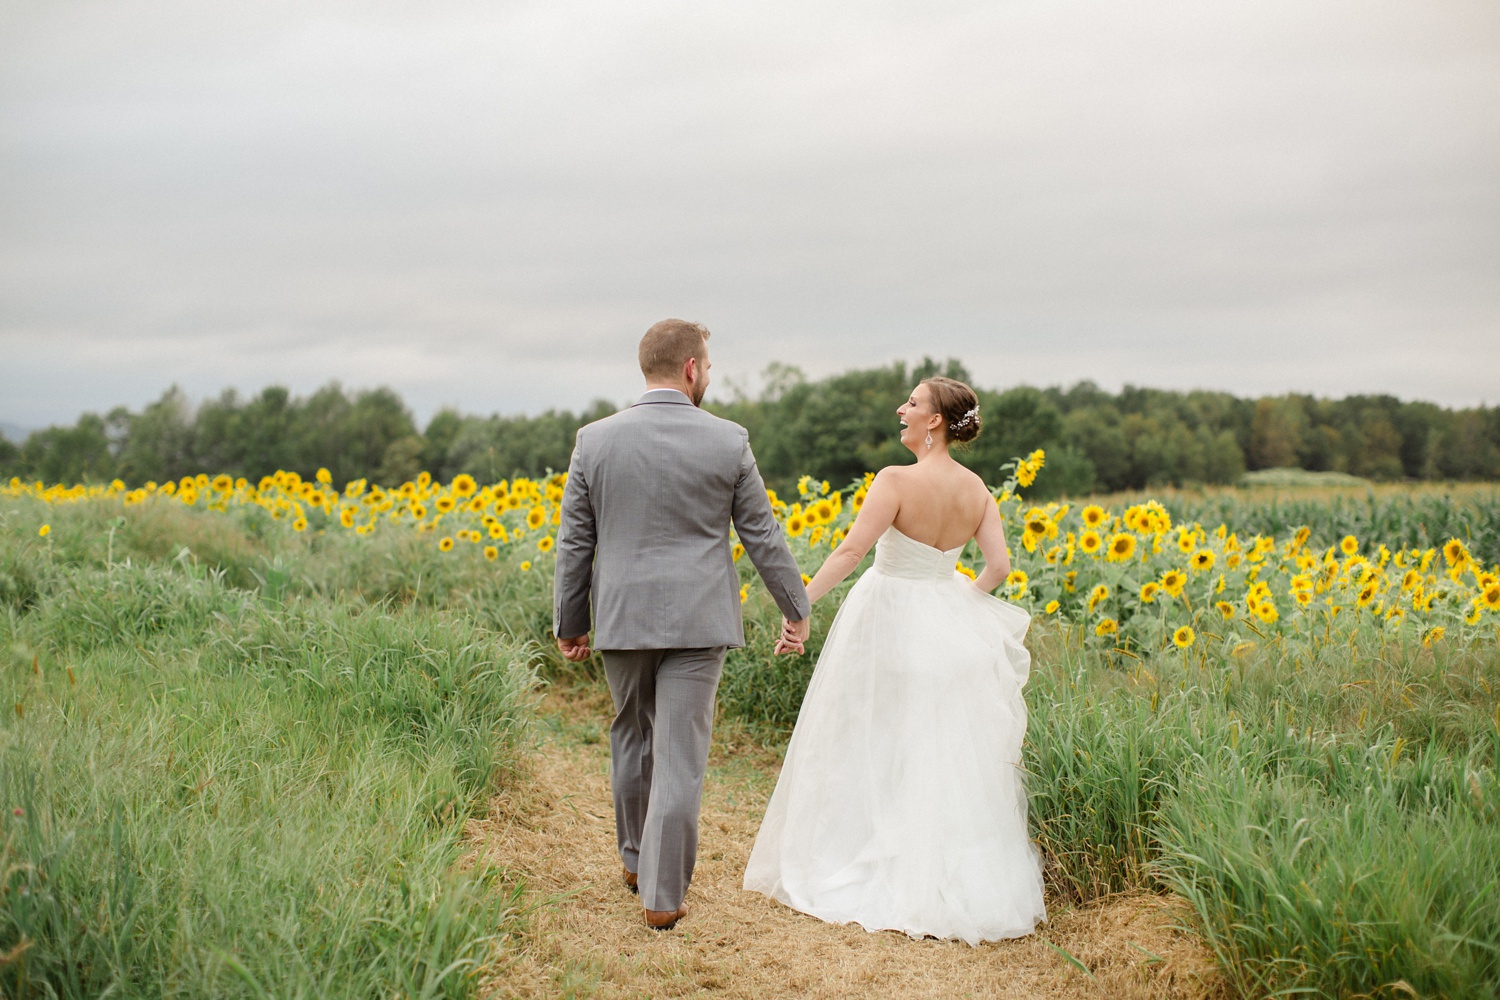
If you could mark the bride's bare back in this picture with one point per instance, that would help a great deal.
(936, 502)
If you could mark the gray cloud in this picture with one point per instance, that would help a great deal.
(484, 205)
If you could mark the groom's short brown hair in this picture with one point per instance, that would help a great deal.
(667, 346)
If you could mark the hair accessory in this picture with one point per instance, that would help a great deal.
(966, 420)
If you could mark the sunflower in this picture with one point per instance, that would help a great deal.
(534, 517)
(1489, 597)
(737, 551)
(1107, 627)
(44, 531)
(491, 553)
(1366, 595)
(1472, 618)
(744, 594)
(463, 485)
(346, 517)
(1121, 547)
(824, 510)
(1203, 560)
(1410, 580)
(418, 511)
(1070, 581)
(444, 504)
(1185, 541)
(223, 483)
(795, 525)
(300, 524)
(1149, 591)
(806, 579)
(1454, 552)
(1051, 608)
(1349, 545)
(1090, 542)
(1094, 515)
(1017, 578)
(1225, 609)
(445, 544)
(1303, 597)
(545, 544)
(1266, 612)
(525, 565)
(325, 477)
(1432, 635)
(1184, 637)
(1172, 581)
(1096, 595)
(498, 532)
(966, 571)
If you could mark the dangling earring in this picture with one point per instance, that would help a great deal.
(928, 442)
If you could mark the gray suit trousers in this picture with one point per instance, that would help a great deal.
(658, 748)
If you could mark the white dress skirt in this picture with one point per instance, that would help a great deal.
(901, 804)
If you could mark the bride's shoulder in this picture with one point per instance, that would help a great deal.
(893, 476)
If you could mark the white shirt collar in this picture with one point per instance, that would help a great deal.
(664, 396)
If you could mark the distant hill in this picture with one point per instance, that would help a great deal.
(15, 432)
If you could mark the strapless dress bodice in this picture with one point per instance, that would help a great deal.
(901, 556)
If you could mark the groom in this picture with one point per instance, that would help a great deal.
(651, 494)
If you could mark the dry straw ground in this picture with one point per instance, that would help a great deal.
(554, 833)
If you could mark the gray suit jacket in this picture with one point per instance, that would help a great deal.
(651, 494)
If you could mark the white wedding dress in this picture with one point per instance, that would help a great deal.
(901, 804)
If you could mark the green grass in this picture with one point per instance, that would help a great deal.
(252, 781)
(207, 793)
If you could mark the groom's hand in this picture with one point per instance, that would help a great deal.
(575, 649)
(793, 635)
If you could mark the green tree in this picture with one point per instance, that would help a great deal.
(76, 454)
(158, 444)
(1276, 432)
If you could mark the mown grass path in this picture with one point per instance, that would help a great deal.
(554, 832)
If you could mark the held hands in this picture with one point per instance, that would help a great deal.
(793, 635)
(575, 648)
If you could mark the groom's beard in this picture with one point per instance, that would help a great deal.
(697, 394)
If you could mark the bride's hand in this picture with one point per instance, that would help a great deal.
(793, 635)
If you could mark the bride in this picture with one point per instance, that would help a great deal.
(901, 804)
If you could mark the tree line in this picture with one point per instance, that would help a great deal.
(834, 428)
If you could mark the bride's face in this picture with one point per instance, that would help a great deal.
(918, 418)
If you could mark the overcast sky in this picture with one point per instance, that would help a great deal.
(485, 204)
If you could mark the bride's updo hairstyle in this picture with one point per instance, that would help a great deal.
(958, 404)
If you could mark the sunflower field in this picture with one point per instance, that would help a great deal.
(1288, 713)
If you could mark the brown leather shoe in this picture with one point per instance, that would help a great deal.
(665, 920)
(631, 881)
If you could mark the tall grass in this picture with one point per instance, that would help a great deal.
(205, 792)
(270, 739)
(1329, 808)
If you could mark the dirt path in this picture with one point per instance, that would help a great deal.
(556, 834)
